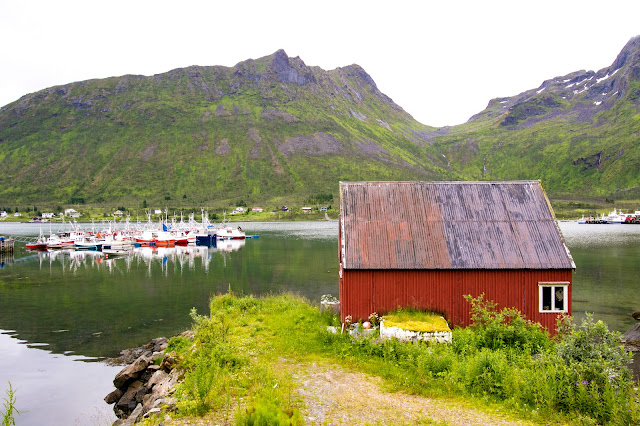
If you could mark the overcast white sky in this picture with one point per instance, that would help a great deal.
(442, 61)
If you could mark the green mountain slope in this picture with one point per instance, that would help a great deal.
(577, 133)
(274, 130)
(270, 129)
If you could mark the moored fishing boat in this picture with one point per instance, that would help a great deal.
(165, 239)
(39, 244)
(89, 243)
(206, 237)
(229, 233)
(60, 240)
(147, 238)
(633, 218)
(614, 217)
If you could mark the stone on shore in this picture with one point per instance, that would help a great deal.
(632, 339)
(144, 387)
(131, 371)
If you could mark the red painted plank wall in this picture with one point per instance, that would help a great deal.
(365, 291)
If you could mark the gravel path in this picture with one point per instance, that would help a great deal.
(335, 396)
(332, 395)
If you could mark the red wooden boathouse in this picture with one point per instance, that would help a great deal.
(427, 244)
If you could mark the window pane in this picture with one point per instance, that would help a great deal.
(559, 298)
(546, 298)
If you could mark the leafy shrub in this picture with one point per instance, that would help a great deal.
(435, 360)
(465, 341)
(596, 353)
(178, 344)
(488, 372)
(600, 383)
(505, 328)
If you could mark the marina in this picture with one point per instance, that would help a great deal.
(615, 217)
(115, 238)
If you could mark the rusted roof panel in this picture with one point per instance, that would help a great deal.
(449, 225)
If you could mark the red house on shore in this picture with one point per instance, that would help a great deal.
(427, 244)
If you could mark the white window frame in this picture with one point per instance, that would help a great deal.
(554, 285)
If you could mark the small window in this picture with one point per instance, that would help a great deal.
(553, 297)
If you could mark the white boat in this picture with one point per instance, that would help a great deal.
(110, 242)
(89, 243)
(60, 240)
(616, 217)
(229, 233)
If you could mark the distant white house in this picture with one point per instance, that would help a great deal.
(238, 210)
(323, 209)
(306, 210)
(16, 214)
(71, 213)
(118, 213)
(157, 211)
(47, 215)
(3, 214)
(257, 209)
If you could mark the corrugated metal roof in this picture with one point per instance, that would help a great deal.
(450, 225)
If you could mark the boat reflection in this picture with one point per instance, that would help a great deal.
(190, 256)
(7, 258)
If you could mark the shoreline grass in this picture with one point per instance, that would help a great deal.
(501, 364)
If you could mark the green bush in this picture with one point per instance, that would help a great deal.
(488, 372)
(505, 328)
(178, 344)
(436, 360)
(596, 353)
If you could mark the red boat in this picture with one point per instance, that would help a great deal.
(39, 245)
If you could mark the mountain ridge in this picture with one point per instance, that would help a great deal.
(578, 133)
(265, 125)
(273, 129)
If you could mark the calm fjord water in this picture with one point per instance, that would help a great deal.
(81, 305)
(77, 302)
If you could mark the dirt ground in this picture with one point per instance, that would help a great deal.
(333, 395)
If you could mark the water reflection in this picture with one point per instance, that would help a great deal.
(54, 389)
(6, 259)
(191, 257)
(105, 304)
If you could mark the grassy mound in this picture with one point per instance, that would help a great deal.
(233, 368)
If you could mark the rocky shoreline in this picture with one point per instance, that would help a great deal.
(145, 385)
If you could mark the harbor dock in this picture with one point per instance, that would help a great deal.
(6, 245)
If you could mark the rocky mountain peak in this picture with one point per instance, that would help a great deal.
(290, 70)
(580, 94)
(629, 54)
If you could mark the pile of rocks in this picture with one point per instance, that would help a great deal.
(145, 384)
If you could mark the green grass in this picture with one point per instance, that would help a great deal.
(9, 411)
(499, 364)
